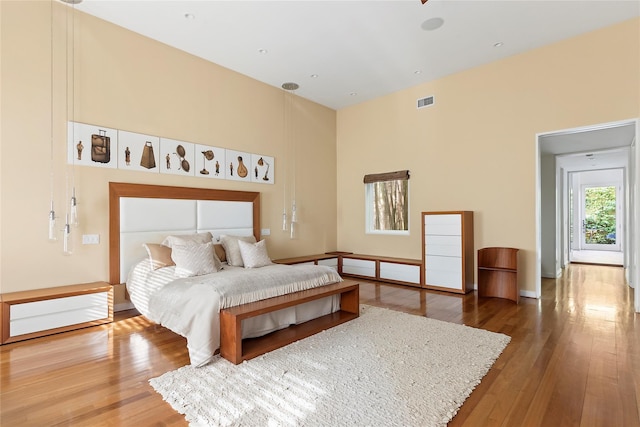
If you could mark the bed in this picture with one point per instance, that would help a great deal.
(209, 235)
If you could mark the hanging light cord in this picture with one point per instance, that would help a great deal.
(51, 127)
(52, 214)
(286, 164)
(293, 149)
(73, 201)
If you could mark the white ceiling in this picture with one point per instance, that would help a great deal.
(358, 49)
(363, 49)
(594, 148)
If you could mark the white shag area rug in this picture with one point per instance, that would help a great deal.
(385, 368)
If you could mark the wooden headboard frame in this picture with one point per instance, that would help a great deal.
(119, 189)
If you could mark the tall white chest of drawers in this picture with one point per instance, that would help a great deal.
(447, 251)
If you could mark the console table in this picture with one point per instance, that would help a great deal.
(498, 273)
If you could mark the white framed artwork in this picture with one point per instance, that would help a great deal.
(210, 162)
(100, 146)
(237, 166)
(176, 157)
(90, 145)
(262, 168)
(138, 152)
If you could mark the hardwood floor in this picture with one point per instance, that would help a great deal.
(574, 360)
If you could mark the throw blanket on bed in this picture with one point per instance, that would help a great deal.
(191, 306)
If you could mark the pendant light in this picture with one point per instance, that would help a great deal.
(71, 216)
(73, 201)
(67, 246)
(290, 145)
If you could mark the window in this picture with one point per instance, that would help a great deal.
(387, 202)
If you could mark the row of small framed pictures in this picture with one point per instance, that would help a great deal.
(98, 146)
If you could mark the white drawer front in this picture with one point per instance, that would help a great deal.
(401, 272)
(360, 267)
(445, 279)
(443, 220)
(443, 271)
(442, 230)
(443, 245)
(331, 262)
(54, 313)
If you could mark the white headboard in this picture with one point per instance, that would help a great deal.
(148, 213)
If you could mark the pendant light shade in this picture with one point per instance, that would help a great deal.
(66, 238)
(52, 224)
(73, 208)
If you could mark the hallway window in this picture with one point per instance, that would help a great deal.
(600, 215)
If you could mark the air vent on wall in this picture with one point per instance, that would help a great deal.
(425, 102)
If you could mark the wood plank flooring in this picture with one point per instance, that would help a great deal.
(574, 360)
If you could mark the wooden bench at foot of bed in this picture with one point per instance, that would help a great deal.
(235, 349)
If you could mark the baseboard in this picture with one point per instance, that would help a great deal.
(528, 294)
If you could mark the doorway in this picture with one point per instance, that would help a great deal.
(557, 154)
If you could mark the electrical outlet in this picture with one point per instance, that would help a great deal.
(265, 231)
(90, 239)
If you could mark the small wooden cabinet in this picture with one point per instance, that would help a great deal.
(40, 312)
(331, 260)
(498, 273)
(401, 271)
(447, 250)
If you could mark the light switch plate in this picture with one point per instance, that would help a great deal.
(90, 239)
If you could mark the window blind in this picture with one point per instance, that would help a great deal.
(386, 176)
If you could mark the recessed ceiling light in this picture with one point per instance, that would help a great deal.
(416, 72)
(498, 44)
(290, 86)
(432, 24)
(72, 1)
(314, 76)
(189, 16)
(353, 94)
(263, 51)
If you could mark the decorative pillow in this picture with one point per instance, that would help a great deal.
(219, 249)
(193, 259)
(186, 239)
(159, 255)
(254, 254)
(232, 250)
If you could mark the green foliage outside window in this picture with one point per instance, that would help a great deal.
(600, 215)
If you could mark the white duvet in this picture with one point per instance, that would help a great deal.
(191, 306)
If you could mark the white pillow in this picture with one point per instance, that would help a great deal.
(186, 239)
(232, 250)
(193, 259)
(254, 254)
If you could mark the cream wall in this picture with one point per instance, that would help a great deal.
(125, 81)
(475, 149)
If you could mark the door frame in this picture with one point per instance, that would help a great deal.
(633, 205)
